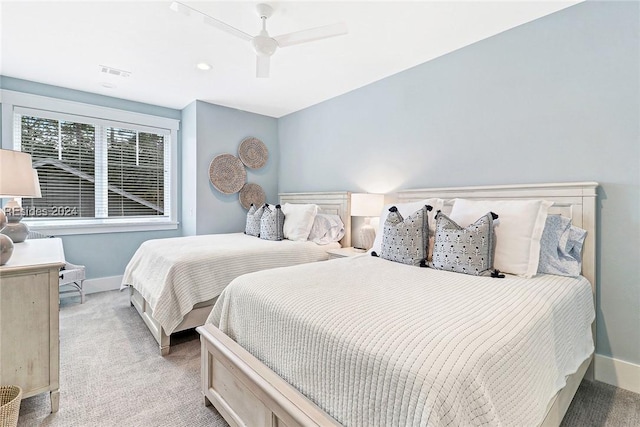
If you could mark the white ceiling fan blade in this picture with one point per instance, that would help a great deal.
(262, 66)
(312, 34)
(210, 20)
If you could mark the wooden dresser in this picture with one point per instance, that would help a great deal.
(29, 318)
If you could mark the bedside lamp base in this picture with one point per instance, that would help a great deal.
(367, 236)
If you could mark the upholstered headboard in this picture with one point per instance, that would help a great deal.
(337, 203)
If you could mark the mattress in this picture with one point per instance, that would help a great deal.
(175, 274)
(377, 343)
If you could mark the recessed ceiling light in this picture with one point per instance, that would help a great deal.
(203, 66)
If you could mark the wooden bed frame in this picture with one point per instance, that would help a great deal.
(337, 203)
(246, 392)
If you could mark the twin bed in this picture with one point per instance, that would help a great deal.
(366, 341)
(174, 283)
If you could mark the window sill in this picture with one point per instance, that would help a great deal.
(97, 226)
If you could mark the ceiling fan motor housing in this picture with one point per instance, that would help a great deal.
(264, 45)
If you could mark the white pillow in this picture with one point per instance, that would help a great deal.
(326, 229)
(406, 209)
(298, 220)
(518, 230)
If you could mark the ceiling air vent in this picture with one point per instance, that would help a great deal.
(114, 71)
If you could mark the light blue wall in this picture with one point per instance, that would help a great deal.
(220, 130)
(553, 100)
(103, 254)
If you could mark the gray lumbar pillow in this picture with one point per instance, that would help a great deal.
(272, 223)
(405, 240)
(252, 227)
(467, 250)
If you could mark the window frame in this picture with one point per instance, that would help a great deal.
(66, 226)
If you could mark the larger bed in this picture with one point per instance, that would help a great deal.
(364, 341)
(173, 283)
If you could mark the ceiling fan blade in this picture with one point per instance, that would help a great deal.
(262, 66)
(312, 34)
(210, 20)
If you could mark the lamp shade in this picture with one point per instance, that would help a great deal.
(36, 184)
(366, 204)
(17, 175)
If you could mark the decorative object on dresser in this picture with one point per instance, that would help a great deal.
(252, 194)
(253, 153)
(17, 179)
(29, 323)
(227, 173)
(366, 205)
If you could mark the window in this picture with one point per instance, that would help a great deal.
(97, 173)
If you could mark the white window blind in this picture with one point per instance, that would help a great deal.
(95, 168)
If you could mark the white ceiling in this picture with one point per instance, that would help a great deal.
(63, 43)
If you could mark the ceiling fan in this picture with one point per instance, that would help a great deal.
(263, 44)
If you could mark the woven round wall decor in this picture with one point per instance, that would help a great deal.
(253, 153)
(227, 173)
(252, 193)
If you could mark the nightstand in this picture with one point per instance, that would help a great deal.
(345, 252)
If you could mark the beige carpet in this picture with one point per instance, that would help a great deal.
(113, 375)
(598, 404)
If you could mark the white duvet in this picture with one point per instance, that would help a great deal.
(377, 343)
(175, 274)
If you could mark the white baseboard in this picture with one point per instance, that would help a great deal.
(100, 284)
(617, 372)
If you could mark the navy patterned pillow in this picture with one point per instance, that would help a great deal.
(252, 227)
(405, 240)
(272, 223)
(468, 250)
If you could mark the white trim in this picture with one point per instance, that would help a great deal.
(27, 100)
(101, 174)
(98, 226)
(97, 121)
(100, 284)
(617, 372)
(172, 193)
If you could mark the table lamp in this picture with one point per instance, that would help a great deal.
(17, 179)
(366, 205)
